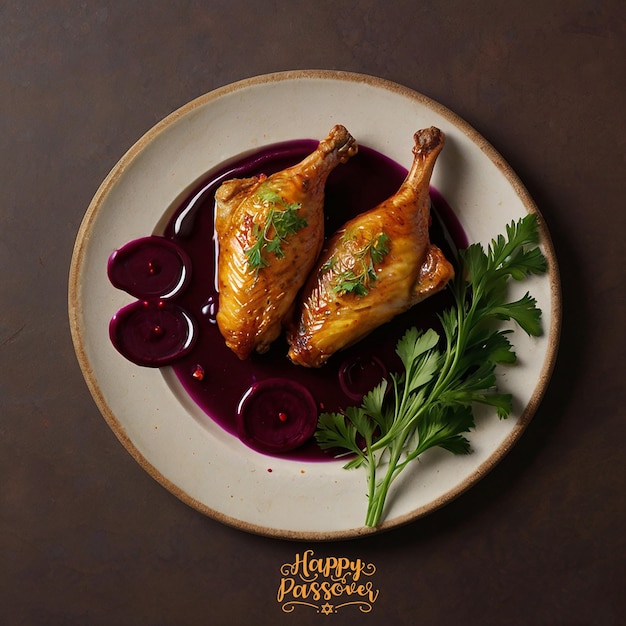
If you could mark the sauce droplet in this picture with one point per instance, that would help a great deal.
(198, 372)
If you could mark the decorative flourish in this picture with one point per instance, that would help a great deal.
(327, 608)
(289, 607)
(364, 607)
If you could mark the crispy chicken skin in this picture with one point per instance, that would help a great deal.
(377, 265)
(270, 230)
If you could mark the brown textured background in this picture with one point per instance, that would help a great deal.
(86, 537)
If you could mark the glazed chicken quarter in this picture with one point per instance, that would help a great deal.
(376, 266)
(270, 230)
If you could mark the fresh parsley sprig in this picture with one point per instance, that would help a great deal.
(430, 402)
(282, 220)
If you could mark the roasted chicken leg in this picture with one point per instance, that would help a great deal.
(377, 265)
(270, 230)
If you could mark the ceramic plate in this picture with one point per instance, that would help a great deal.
(162, 428)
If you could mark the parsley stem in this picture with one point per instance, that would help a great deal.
(378, 497)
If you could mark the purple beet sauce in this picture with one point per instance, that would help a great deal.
(224, 388)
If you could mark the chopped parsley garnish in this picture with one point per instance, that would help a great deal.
(281, 221)
(359, 278)
(429, 404)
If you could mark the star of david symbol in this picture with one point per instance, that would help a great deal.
(326, 609)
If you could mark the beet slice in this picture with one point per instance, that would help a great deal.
(150, 267)
(358, 376)
(152, 333)
(276, 415)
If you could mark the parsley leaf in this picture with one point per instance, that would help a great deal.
(430, 402)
